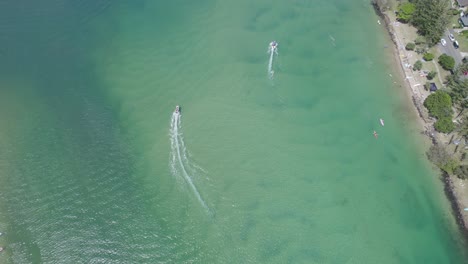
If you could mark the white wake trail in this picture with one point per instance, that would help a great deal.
(178, 146)
(272, 51)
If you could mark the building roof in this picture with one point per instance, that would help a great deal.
(464, 20)
(462, 3)
(432, 87)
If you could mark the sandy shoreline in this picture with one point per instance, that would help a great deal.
(414, 84)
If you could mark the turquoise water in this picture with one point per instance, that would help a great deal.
(95, 168)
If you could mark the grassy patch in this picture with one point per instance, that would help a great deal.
(463, 40)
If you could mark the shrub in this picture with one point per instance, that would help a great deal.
(439, 104)
(420, 50)
(420, 40)
(438, 155)
(410, 46)
(417, 65)
(462, 172)
(444, 125)
(405, 12)
(428, 56)
(431, 75)
(447, 62)
(454, 11)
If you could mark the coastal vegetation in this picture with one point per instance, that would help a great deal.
(431, 18)
(431, 75)
(417, 65)
(428, 56)
(410, 46)
(447, 62)
(438, 155)
(439, 105)
(405, 12)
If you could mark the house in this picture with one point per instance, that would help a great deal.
(462, 3)
(432, 87)
(464, 20)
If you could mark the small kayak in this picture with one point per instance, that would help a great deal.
(382, 122)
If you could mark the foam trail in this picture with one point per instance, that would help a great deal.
(270, 65)
(177, 145)
(272, 50)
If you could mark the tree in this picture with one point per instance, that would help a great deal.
(419, 40)
(431, 18)
(405, 12)
(459, 86)
(410, 46)
(417, 65)
(439, 156)
(431, 75)
(428, 56)
(439, 104)
(444, 125)
(447, 62)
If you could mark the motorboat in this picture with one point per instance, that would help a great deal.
(273, 45)
(177, 109)
(382, 122)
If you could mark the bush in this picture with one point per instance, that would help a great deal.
(462, 172)
(420, 40)
(454, 11)
(405, 12)
(417, 65)
(428, 56)
(431, 75)
(447, 62)
(439, 104)
(438, 155)
(444, 125)
(420, 50)
(410, 46)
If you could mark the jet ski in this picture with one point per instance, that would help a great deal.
(382, 122)
(177, 109)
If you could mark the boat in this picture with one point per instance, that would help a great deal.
(382, 122)
(273, 45)
(177, 109)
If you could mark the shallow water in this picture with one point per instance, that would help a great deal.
(265, 170)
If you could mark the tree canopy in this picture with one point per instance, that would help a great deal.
(458, 85)
(405, 12)
(439, 104)
(431, 18)
(447, 62)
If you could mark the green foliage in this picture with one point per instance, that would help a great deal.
(464, 33)
(431, 75)
(447, 62)
(410, 46)
(420, 40)
(417, 65)
(431, 19)
(439, 104)
(419, 50)
(462, 172)
(428, 56)
(458, 85)
(444, 125)
(438, 155)
(405, 12)
(454, 12)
